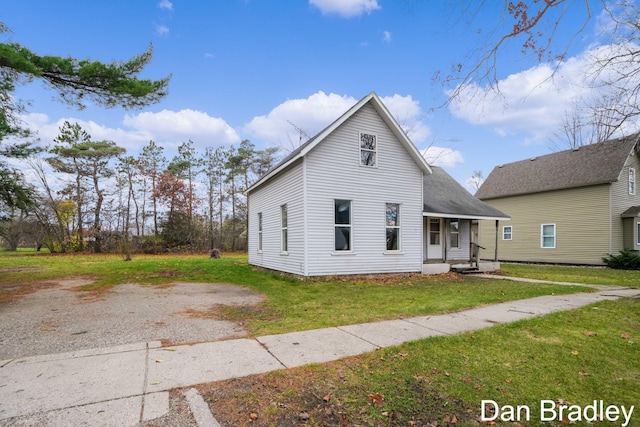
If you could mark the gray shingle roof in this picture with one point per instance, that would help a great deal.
(588, 165)
(444, 195)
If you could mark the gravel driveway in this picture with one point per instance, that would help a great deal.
(61, 319)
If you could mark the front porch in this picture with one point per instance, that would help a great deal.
(441, 267)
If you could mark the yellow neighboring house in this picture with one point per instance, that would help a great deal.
(574, 206)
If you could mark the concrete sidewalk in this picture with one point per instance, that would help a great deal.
(126, 385)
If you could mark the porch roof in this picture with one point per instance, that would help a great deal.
(445, 197)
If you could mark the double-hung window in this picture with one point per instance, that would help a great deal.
(392, 216)
(284, 236)
(507, 232)
(259, 231)
(368, 149)
(342, 225)
(548, 236)
(632, 181)
(454, 234)
(638, 233)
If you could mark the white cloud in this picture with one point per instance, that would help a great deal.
(534, 101)
(386, 36)
(165, 4)
(345, 8)
(311, 115)
(174, 127)
(161, 30)
(167, 128)
(314, 113)
(442, 156)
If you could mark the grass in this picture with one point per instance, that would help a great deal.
(586, 275)
(291, 304)
(574, 357)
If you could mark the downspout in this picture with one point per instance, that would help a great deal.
(495, 256)
(305, 257)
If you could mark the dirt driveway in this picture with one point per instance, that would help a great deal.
(60, 318)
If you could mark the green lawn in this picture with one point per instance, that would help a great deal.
(291, 304)
(586, 275)
(575, 357)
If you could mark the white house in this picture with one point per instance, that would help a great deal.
(355, 199)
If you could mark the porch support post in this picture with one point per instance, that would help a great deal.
(495, 256)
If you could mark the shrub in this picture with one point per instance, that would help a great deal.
(626, 260)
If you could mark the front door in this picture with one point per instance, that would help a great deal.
(434, 238)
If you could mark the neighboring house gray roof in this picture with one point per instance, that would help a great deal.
(444, 196)
(584, 166)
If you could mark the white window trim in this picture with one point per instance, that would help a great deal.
(632, 181)
(451, 232)
(542, 236)
(259, 232)
(284, 229)
(360, 150)
(510, 227)
(399, 227)
(350, 225)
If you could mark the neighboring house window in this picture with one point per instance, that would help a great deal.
(638, 233)
(368, 149)
(434, 231)
(548, 235)
(392, 216)
(632, 181)
(454, 234)
(284, 239)
(342, 226)
(507, 232)
(259, 231)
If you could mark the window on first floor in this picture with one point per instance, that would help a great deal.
(342, 225)
(548, 236)
(507, 232)
(454, 234)
(638, 233)
(392, 217)
(434, 231)
(284, 236)
(260, 231)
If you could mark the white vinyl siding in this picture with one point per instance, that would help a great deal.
(621, 200)
(285, 189)
(332, 174)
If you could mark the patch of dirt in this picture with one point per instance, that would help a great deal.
(53, 317)
(324, 396)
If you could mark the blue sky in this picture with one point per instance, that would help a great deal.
(249, 69)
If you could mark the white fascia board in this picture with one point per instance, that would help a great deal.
(447, 215)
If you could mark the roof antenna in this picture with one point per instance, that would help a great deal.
(300, 131)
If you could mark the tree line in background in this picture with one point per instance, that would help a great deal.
(113, 202)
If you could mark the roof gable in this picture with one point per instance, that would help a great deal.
(593, 164)
(386, 116)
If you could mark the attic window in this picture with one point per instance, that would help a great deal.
(368, 149)
(632, 181)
